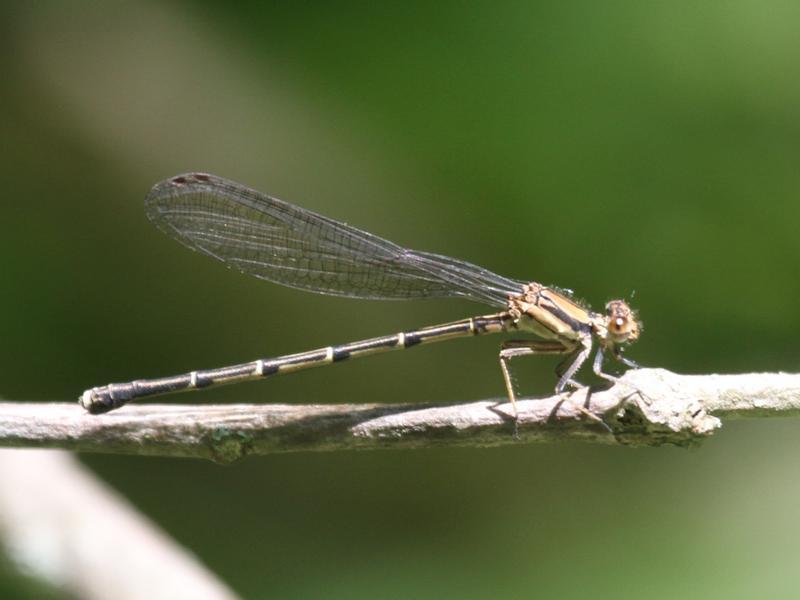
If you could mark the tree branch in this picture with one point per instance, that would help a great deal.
(69, 531)
(645, 407)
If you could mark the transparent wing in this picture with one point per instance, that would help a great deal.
(277, 241)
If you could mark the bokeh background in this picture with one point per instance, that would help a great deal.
(612, 147)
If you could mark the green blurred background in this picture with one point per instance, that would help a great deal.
(609, 147)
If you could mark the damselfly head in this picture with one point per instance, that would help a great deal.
(622, 325)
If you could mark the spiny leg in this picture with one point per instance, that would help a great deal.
(597, 367)
(569, 372)
(515, 348)
(617, 352)
(561, 368)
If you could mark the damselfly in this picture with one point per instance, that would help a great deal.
(277, 241)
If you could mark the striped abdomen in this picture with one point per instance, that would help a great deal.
(102, 399)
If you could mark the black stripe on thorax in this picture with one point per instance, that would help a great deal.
(574, 324)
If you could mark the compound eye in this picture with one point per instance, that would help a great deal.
(621, 328)
(622, 324)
